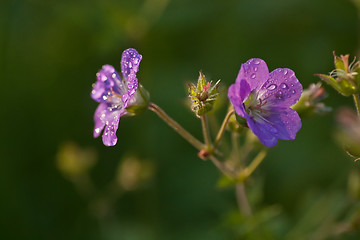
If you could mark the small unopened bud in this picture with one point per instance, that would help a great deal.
(345, 77)
(310, 101)
(203, 95)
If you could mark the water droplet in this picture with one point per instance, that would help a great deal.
(255, 69)
(293, 91)
(271, 87)
(285, 72)
(279, 95)
(284, 86)
(256, 62)
(97, 130)
(130, 64)
(253, 76)
(105, 98)
(113, 75)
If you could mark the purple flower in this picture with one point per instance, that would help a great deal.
(264, 100)
(114, 95)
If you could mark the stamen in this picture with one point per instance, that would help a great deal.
(114, 93)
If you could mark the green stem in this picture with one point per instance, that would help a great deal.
(242, 200)
(205, 130)
(222, 128)
(222, 167)
(245, 173)
(176, 126)
(357, 103)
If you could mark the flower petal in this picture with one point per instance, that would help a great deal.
(237, 93)
(99, 117)
(255, 72)
(264, 134)
(282, 88)
(281, 124)
(287, 123)
(107, 85)
(108, 117)
(129, 67)
(109, 136)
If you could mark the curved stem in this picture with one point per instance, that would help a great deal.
(176, 126)
(205, 130)
(222, 128)
(357, 103)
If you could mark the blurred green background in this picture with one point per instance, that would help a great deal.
(50, 52)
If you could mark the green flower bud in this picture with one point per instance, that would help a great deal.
(345, 77)
(310, 101)
(203, 95)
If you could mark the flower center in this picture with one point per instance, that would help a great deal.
(256, 107)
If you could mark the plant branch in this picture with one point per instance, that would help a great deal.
(242, 200)
(205, 130)
(176, 126)
(357, 103)
(222, 128)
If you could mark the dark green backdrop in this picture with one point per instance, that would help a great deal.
(49, 54)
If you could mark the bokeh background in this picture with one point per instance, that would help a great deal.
(57, 182)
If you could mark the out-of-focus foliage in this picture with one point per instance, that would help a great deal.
(49, 54)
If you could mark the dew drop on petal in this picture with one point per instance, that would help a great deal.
(279, 95)
(255, 69)
(293, 91)
(285, 72)
(283, 85)
(253, 76)
(271, 87)
(130, 64)
(257, 62)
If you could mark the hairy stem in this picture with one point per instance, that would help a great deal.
(176, 126)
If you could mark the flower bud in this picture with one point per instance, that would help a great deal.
(345, 77)
(203, 95)
(310, 101)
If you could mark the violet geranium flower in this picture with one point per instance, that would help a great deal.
(114, 95)
(264, 100)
